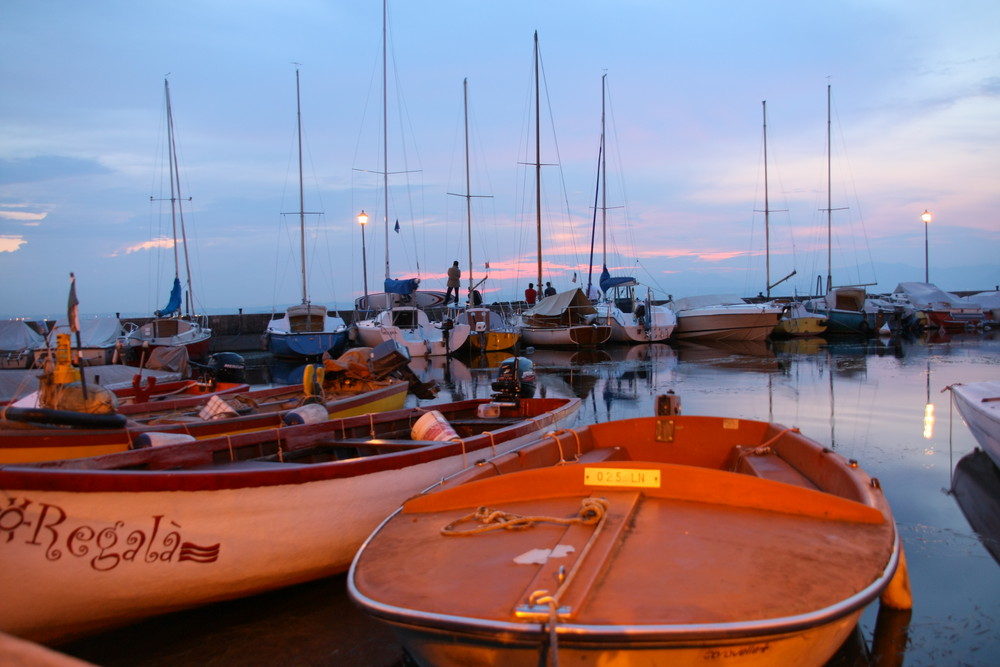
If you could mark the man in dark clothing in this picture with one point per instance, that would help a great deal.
(549, 290)
(454, 282)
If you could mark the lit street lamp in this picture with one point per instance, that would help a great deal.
(363, 220)
(926, 217)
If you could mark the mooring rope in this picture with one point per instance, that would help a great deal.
(592, 510)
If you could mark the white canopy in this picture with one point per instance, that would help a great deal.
(97, 332)
(690, 302)
(16, 335)
(925, 296)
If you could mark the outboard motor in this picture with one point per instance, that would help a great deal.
(515, 379)
(226, 367)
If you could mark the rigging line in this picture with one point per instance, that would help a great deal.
(567, 211)
(618, 163)
(860, 216)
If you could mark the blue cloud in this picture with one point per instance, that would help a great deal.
(47, 168)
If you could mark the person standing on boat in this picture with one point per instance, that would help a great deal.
(530, 294)
(549, 290)
(454, 282)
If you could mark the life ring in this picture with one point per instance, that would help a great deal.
(48, 416)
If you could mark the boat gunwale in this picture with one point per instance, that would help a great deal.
(757, 630)
(72, 475)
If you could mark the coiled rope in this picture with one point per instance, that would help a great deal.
(592, 510)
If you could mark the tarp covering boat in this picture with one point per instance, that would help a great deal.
(174, 305)
(924, 296)
(96, 332)
(405, 286)
(557, 304)
(706, 300)
(608, 282)
(16, 335)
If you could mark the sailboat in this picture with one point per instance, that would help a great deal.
(565, 319)
(306, 330)
(401, 318)
(489, 331)
(632, 320)
(169, 328)
(795, 320)
(846, 308)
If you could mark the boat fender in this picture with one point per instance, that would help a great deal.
(433, 426)
(306, 414)
(64, 417)
(144, 440)
(488, 410)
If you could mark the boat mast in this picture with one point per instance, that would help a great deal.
(604, 180)
(468, 185)
(385, 134)
(302, 205)
(176, 210)
(538, 166)
(829, 202)
(767, 219)
(767, 212)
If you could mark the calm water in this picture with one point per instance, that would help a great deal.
(868, 399)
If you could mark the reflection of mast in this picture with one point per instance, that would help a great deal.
(829, 368)
(928, 408)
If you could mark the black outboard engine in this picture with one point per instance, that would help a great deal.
(515, 379)
(226, 367)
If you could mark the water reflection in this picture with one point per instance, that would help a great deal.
(976, 487)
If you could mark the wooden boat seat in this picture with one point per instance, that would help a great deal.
(249, 464)
(486, 423)
(604, 454)
(379, 442)
(769, 466)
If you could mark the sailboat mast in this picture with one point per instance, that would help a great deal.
(604, 181)
(468, 185)
(829, 202)
(176, 209)
(302, 205)
(767, 212)
(538, 166)
(385, 133)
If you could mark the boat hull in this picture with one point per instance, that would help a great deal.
(583, 335)
(411, 328)
(439, 649)
(167, 332)
(979, 405)
(726, 324)
(626, 328)
(90, 549)
(306, 345)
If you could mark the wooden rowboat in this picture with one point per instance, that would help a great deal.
(95, 435)
(662, 540)
(93, 543)
(361, 381)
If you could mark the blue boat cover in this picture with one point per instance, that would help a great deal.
(174, 305)
(405, 287)
(607, 282)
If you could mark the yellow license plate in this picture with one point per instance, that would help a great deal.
(628, 477)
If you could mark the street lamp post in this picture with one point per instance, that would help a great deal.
(926, 217)
(363, 220)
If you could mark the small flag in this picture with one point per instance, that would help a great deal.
(487, 265)
(73, 309)
(397, 226)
